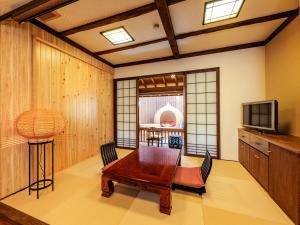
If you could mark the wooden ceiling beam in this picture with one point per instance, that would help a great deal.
(30, 5)
(176, 81)
(153, 81)
(248, 22)
(162, 89)
(164, 80)
(193, 54)
(282, 26)
(130, 46)
(46, 9)
(116, 18)
(165, 17)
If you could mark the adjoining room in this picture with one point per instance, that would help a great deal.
(125, 112)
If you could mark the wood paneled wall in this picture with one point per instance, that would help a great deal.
(37, 70)
(15, 97)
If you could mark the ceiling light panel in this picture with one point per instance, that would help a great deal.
(117, 36)
(218, 10)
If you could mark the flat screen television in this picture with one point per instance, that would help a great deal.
(262, 115)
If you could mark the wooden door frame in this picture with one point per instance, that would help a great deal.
(217, 70)
(213, 69)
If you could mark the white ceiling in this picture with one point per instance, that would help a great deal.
(85, 11)
(230, 37)
(160, 49)
(8, 5)
(186, 16)
(140, 31)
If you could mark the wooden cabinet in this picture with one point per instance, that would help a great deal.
(274, 161)
(244, 154)
(258, 166)
(263, 170)
(284, 172)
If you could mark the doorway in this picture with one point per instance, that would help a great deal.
(161, 106)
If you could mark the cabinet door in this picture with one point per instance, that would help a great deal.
(263, 170)
(241, 152)
(253, 162)
(244, 154)
(284, 179)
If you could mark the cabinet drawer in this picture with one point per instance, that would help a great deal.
(259, 144)
(244, 136)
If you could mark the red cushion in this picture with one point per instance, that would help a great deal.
(189, 176)
(109, 165)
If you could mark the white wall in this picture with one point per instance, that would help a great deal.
(242, 79)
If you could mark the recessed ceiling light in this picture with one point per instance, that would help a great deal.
(222, 9)
(117, 36)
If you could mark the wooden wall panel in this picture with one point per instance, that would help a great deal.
(37, 70)
(15, 97)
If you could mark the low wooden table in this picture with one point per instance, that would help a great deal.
(150, 168)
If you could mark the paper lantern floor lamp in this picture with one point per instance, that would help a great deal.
(39, 127)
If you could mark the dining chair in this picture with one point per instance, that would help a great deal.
(193, 178)
(177, 143)
(108, 154)
(154, 135)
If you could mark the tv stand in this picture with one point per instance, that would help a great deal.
(274, 161)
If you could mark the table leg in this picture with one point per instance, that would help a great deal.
(107, 186)
(165, 201)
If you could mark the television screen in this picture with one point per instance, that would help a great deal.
(260, 115)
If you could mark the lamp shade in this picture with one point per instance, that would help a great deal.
(40, 124)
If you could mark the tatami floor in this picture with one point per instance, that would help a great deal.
(233, 198)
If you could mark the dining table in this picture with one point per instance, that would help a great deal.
(150, 168)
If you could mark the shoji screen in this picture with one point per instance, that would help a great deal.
(126, 114)
(202, 112)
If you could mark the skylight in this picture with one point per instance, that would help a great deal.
(218, 10)
(117, 36)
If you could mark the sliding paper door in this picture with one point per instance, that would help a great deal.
(126, 113)
(202, 112)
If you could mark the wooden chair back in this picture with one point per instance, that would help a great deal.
(153, 133)
(108, 153)
(206, 166)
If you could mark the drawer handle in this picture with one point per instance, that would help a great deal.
(257, 143)
(256, 156)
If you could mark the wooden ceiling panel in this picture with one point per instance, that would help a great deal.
(85, 11)
(161, 49)
(231, 37)
(158, 84)
(187, 16)
(140, 28)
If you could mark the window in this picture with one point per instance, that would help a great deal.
(218, 10)
(117, 36)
